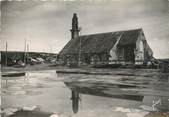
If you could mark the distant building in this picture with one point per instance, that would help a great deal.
(13, 57)
(120, 47)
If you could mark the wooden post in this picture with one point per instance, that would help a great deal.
(79, 61)
(164, 66)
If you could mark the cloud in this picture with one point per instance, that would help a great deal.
(48, 23)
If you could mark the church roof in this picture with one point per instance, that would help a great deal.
(101, 42)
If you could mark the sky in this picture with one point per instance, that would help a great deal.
(45, 25)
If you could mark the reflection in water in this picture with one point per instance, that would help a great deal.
(76, 89)
(75, 99)
(164, 101)
(164, 77)
(156, 102)
(164, 106)
(104, 91)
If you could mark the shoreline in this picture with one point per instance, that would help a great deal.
(30, 68)
(85, 70)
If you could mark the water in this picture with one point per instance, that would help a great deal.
(87, 95)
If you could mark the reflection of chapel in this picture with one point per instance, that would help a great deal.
(122, 47)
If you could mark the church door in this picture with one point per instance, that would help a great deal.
(129, 54)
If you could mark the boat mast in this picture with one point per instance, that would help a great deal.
(6, 57)
(25, 52)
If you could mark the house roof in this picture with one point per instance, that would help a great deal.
(101, 42)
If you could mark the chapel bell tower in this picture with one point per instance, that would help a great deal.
(75, 29)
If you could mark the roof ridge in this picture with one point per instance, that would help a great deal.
(111, 32)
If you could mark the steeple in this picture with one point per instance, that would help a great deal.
(75, 29)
